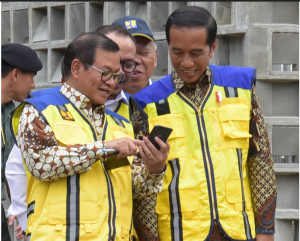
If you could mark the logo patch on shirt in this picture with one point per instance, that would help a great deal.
(130, 24)
(65, 114)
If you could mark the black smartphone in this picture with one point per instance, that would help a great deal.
(162, 132)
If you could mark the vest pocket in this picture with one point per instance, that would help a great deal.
(177, 139)
(230, 124)
(188, 202)
(88, 216)
(234, 195)
(177, 212)
(69, 133)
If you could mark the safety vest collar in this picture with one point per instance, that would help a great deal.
(160, 89)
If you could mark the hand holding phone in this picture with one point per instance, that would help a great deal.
(162, 132)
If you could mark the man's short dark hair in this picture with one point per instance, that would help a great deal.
(193, 16)
(6, 68)
(117, 29)
(84, 48)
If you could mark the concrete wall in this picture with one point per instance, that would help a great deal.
(264, 35)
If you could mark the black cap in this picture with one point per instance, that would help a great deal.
(136, 26)
(20, 56)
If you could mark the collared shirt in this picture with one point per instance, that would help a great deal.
(260, 163)
(16, 177)
(112, 104)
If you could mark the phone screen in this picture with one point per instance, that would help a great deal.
(162, 132)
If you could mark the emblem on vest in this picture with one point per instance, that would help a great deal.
(219, 98)
(65, 114)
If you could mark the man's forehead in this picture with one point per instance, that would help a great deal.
(143, 42)
(107, 59)
(117, 37)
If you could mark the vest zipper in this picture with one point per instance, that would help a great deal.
(209, 170)
(111, 204)
(217, 129)
(206, 153)
(205, 149)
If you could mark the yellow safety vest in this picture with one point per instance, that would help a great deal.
(123, 109)
(207, 176)
(96, 205)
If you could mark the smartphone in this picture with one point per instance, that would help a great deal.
(162, 132)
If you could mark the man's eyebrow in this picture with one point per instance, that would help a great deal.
(198, 50)
(193, 50)
(127, 60)
(175, 48)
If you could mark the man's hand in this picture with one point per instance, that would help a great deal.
(18, 229)
(154, 160)
(11, 219)
(264, 237)
(19, 233)
(125, 146)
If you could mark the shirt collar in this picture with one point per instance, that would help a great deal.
(119, 97)
(179, 83)
(80, 100)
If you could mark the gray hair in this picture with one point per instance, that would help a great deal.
(155, 47)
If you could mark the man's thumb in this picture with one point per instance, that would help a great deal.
(11, 220)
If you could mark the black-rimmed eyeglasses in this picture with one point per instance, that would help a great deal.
(107, 74)
(128, 66)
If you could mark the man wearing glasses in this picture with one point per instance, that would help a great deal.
(146, 53)
(73, 194)
(117, 100)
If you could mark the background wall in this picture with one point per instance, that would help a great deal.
(264, 35)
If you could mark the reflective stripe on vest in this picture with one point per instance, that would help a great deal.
(28, 237)
(176, 216)
(30, 208)
(73, 222)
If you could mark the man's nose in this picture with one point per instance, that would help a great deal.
(122, 70)
(137, 59)
(32, 84)
(111, 82)
(187, 62)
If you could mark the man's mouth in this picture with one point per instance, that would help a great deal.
(189, 71)
(136, 74)
(104, 91)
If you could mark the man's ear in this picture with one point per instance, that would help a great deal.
(76, 68)
(213, 48)
(155, 59)
(14, 75)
